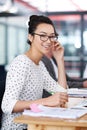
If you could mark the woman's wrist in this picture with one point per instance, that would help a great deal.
(60, 61)
(41, 101)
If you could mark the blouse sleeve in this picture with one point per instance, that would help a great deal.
(49, 83)
(14, 84)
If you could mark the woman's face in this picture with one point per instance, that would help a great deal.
(43, 38)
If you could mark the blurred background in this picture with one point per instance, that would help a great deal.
(69, 17)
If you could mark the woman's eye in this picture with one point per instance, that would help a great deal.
(43, 35)
(52, 36)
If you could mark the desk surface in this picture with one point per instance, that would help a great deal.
(52, 121)
(46, 123)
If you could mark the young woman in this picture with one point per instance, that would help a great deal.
(27, 75)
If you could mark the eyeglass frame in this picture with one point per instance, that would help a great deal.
(48, 37)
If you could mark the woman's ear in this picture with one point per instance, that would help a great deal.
(30, 37)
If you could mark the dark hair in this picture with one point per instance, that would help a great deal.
(35, 20)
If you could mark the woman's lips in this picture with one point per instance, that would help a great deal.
(47, 45)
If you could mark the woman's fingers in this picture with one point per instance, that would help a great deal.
(63, 98)
(56, 45)
(58, 99)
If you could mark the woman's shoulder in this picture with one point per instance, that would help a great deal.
(20, 61)
(21, 58)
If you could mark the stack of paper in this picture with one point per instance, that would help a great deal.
(67, 113)
(75, 92)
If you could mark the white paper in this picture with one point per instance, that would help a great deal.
(67, 113)
(81, 105)
(75, 92)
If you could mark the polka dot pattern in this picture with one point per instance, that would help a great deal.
(25, 81)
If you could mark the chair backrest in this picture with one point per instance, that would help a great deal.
(2, 89)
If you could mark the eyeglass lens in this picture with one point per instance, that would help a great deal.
(45, 37)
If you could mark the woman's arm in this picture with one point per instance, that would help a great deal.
(56, 100)
(58, 53)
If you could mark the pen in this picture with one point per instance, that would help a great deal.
(51, 93)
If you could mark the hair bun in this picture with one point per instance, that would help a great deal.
(32, 19)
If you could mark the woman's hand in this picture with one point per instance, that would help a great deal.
(58, 51)
(59, 99)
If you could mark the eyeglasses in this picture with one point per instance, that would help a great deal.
(44, 37)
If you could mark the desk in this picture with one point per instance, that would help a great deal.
(46, 123)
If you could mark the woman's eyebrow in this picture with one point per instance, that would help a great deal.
(43, 32)
(46, 33)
